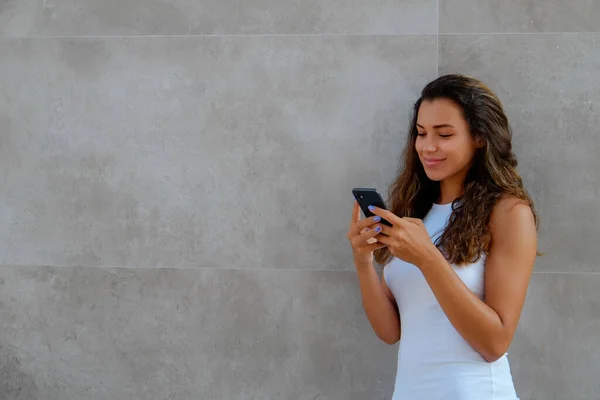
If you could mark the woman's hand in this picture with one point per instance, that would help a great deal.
(361, 235)
(407, 239)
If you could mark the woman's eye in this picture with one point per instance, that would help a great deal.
(420, 134)
(445, 136)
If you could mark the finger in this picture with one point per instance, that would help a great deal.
(367, 222)
(368, 233)
(360, 226)
(375, 246)
(387, 230)
(353, 231)
(388, 215)
(355, 212)
(387, 240)
(415, 221)
(372, 239)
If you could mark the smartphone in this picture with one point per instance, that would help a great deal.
(366, 197)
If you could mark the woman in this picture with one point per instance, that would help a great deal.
(458, 259)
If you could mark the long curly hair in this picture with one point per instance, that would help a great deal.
(492, 175)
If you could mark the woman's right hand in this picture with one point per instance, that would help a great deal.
(361, 235)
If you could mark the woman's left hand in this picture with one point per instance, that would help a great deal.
(407, 239)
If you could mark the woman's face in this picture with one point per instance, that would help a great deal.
(444, 143)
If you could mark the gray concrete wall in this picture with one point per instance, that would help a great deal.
(176, 188)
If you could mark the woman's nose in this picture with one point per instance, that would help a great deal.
(430, 147)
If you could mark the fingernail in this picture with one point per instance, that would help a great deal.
(378, 229)
(371, 208)
(377, 218)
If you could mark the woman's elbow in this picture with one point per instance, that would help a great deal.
(389, 339)
(495, 351)
(492, 357)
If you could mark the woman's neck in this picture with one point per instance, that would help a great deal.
(449, 190)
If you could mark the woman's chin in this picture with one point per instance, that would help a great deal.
(436, 176)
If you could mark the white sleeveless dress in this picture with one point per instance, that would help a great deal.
(434, 361)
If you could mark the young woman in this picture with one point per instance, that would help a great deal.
(458, 259)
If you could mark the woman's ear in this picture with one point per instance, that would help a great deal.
(479, 142)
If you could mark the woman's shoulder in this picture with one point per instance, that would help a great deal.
(509, 213)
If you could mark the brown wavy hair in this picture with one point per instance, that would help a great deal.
(492, 175)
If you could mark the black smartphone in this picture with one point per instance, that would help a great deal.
(366, 197)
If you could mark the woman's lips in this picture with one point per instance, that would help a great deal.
(432, 162)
